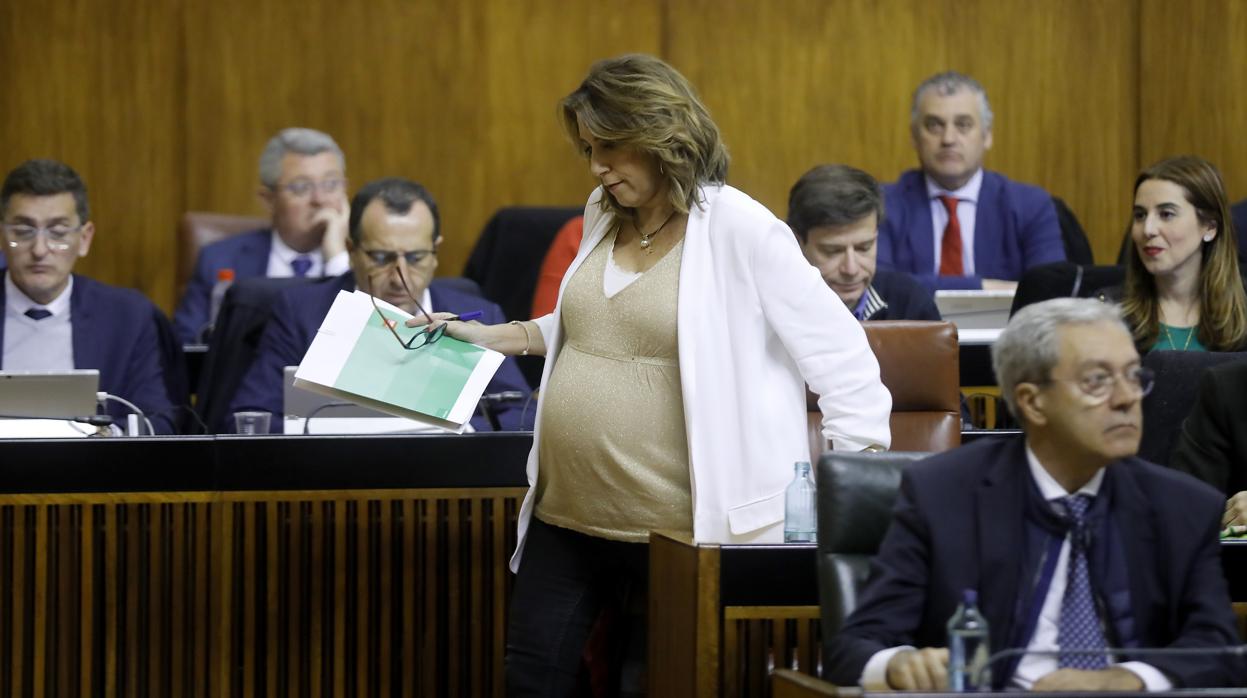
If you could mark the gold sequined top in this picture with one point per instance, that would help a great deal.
(613, 452)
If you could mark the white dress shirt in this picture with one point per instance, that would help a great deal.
(1032, 667)
(967, 205)
(281, 255)
(37, 345)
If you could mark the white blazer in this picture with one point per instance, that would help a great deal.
(755, 323)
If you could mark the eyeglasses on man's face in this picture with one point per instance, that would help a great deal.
(302, 187)
(421, 338)
(384, 258)
(1096, 385)
(57, 237)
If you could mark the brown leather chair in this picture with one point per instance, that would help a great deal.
(201, 228)
(918, 364)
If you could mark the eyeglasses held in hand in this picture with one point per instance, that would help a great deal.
(57, 237)
(421, 338)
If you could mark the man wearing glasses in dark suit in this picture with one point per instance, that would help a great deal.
(57, 320)
(392, 248)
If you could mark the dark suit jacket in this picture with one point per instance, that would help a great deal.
(957, 525)
(245, 253)
(1212, 444)
(906, 298)
(297, 316)
(1015, 229)
(1238, 213)
(115, 330)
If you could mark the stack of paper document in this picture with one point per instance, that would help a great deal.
(355, 357)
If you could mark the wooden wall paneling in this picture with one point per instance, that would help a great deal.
(801, 83)
(1193, 63)
(98, 86)
(164, 107)
(458, 96)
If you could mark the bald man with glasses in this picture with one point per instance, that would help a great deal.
(394, 233)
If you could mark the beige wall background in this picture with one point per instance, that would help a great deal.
(164, 106)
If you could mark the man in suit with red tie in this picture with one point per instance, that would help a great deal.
(953, 224)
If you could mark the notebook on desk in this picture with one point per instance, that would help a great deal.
(975, 310)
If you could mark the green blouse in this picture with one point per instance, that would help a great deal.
(1178, 339)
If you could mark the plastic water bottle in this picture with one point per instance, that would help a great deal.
(224, 279)
(968, 646)
(801, 507)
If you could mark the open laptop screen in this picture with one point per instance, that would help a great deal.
(49, 394)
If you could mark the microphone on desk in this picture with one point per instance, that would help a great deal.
(1109, 652)
(308, 420)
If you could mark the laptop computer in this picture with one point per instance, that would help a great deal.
(48, 394)
(975, 310)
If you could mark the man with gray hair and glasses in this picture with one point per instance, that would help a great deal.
(1072, 544)
(953, 224)
(303, 184)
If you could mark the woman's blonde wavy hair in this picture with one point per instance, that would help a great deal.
(639, 101)
(1222, 301)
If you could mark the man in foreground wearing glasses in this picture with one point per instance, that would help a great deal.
(394, 235)
(1070, 541)
(303, 185)
(57, 320)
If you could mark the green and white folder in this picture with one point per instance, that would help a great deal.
(355, 357)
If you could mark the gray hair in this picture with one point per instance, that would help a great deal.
(302, 141)
(1028, 349)
(947, 84)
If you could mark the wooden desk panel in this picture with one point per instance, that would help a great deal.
(249, 592)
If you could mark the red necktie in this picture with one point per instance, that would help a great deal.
(950, 244)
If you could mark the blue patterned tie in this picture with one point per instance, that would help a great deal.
(1079, 625)
(301, 265)
(38, 313)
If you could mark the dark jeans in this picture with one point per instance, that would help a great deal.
(566, 579)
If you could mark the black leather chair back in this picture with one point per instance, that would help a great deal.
(856, 493)
(245, 310)
(1077, 247)
(1064, 280)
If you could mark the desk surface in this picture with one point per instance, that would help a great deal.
(242, 463)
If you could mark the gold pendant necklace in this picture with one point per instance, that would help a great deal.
(1174, 344)
(645, 239)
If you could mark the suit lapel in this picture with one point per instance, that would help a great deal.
(922, 247)
(987, 227)
(1000, 533)
(253, 261)
(82, 319)
(1134, 523)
